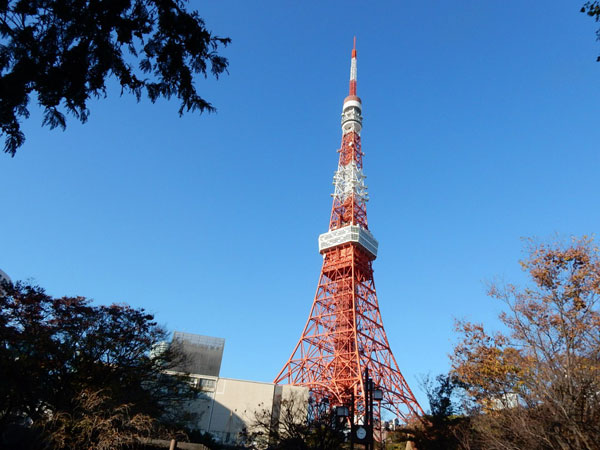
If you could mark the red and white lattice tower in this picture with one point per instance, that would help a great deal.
(344, 333)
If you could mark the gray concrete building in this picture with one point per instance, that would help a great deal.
(204, 353)
(226, 406)
(3, 278)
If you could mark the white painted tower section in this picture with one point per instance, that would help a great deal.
(353, 68)
(349, 179)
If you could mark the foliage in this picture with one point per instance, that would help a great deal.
(66, 364)
(65, 50)
(537, 385)
(207, 439)
(592, 9)
(288, 428)
(444, 427)
(96, 423)
(441, 395)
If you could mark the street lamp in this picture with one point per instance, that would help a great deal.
(342, 411)
(377, 395)
(363, 433)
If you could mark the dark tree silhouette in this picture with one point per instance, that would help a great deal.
(66, 364)
(445, 425)
(592, 9)
(64, 50)
(288, 428)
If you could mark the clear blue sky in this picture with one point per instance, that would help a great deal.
(481, 127)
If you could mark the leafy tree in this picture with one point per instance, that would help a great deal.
(288, 428)
(592, 9)
(97, 423)
(441, 395)
(65, 50)
(445, 427)
(66, 364)
(537, 385)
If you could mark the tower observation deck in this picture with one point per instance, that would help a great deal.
(344, 334)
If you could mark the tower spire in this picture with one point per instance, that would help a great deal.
(353, 71)
(344, 335)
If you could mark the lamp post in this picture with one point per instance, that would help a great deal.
(377, 396)
(363, 433)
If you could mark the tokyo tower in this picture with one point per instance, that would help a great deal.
(344, 334)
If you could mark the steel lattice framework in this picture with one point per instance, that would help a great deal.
(344, 333)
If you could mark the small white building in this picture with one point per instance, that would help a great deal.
(226, 407)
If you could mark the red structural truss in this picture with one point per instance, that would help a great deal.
(344, 333)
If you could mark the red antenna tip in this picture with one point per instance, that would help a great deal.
(354, 48)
